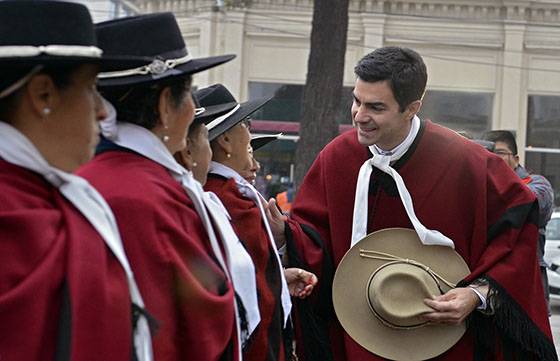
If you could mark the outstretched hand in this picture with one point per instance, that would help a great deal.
(300, 282)
(452, 307)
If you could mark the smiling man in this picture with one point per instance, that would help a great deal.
(459, 195)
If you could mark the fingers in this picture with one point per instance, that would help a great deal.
(452, 307)
(274, 210)
(300, 282)
(443, 317)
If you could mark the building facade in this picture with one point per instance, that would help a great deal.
(493, 64)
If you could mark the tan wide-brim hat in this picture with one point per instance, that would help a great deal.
(379, 290)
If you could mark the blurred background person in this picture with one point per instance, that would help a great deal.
(506, 147)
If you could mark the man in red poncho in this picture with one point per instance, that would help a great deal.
(457, 188)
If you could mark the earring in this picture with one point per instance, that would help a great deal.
(195, 164)
(228, 155)
(46, 111)
(165, 137)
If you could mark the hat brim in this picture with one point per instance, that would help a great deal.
(351, 306)
(260, 141)
(214, 111)
(113, 63)
(192, 67)
(245, 109)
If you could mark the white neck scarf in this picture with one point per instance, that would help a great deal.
(247, 190)
(241, 270)
(17, 149)
(382, 161)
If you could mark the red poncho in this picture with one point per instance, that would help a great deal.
(53, 263)
(183, 286)
(266, 342)
(459, 189)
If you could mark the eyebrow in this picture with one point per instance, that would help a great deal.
(369, 105)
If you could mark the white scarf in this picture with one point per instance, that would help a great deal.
(242, 273)
(382, 161)
(17, 149)
(247, 190)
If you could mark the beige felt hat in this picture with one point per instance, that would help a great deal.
(378, 293)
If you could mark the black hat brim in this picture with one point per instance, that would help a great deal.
(192, 67)
(261, 141)
(113, 63)
(214, 111)
(245, 109)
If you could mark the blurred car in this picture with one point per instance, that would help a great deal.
(552, 255)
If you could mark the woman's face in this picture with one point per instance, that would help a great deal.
(179, 120)
(199, 149)
(240, 140)
(74, 133)
(250, 174)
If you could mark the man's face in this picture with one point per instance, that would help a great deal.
(376, 115)
(506, 154)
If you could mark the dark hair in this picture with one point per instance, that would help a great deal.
(61, 75)
(139, 104)
(504, 136)
(403, 68)
(193, 128)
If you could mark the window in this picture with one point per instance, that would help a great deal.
(460, 111)
(543, 121)
(542, 153)
(286, 104)
(553, 229)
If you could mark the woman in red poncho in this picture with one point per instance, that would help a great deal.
(230, 141)
(66, 288)
(158, 206)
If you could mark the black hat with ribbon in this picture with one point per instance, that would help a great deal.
(46, 32)
(153, 35)
(224, 112)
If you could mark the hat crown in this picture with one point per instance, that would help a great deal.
(214, 95)
(45, 22)
(396, 294)
(152, 35)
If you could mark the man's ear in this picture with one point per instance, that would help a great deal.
(413, 108)
(42, 94)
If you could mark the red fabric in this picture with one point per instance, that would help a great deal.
(266, 342)
(46, 242)
(457, 188)
(182, 285)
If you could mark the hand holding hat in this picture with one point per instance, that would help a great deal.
(379, 293)
(452, 307)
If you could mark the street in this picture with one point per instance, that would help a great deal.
(555, 323)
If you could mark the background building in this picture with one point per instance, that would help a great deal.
(493, 64)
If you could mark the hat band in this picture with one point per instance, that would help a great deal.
(28, 51)
(156, 67)
(213, 124)
(20, 82)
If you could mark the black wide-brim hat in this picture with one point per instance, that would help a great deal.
(47, 32)
(222, 120)
(260, 141)
(153, 35)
